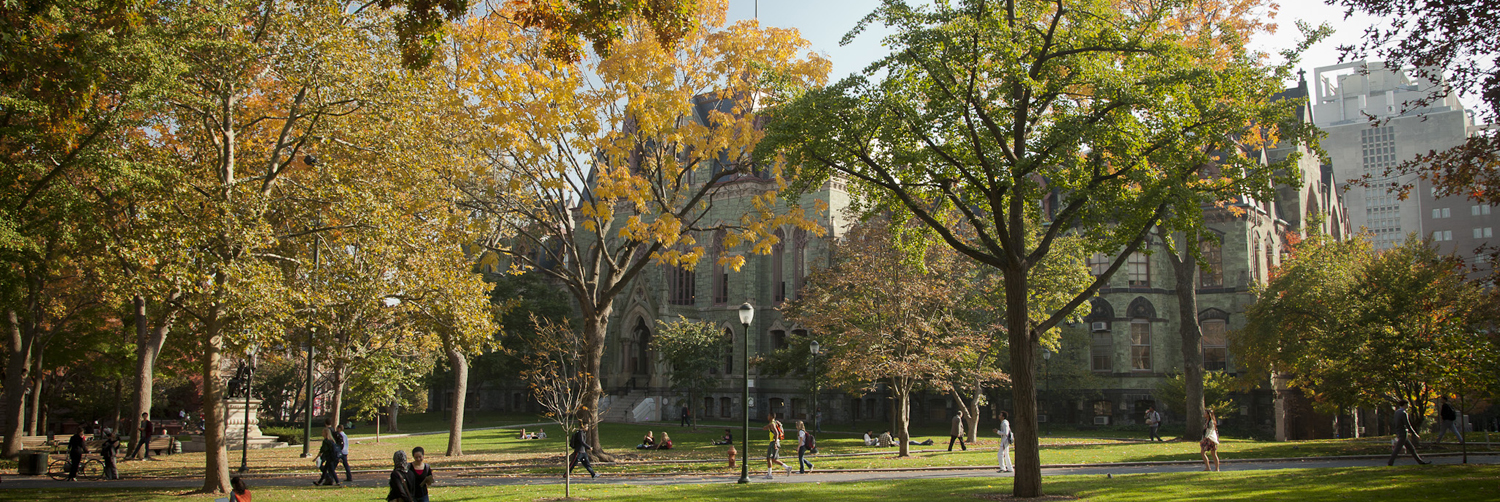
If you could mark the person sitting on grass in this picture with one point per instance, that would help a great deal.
(666, 442)
(541, 434)
(869, 441)
(885, 440)
(647, 442)
(727, 439)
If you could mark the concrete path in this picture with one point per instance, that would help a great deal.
(469, 478)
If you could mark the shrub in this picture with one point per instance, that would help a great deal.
(288, 435)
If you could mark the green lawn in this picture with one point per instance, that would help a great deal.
(1459, 483)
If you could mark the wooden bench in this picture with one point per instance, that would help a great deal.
(159, 444)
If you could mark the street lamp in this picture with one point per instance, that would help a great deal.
(815, 350)
(307, 425)
(747, 314)
(245, 438)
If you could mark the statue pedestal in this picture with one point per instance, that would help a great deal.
(234, 433)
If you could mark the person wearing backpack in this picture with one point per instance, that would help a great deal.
(1450, 422)
(805, 443)
(773, 450)
(1006, 438)
(343, 443)
(1153, 420)
(580, 443)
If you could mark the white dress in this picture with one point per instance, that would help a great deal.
(1003, 456)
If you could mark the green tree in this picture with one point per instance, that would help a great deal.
(695, 352)
(984, 109)
(1216, 388)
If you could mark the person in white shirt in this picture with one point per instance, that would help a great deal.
(1006, 438)
(869, 441)
(803, 465)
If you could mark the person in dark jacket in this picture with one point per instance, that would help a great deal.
(142, 446)
(580, 443)
(421, 475)
(1402, 425)
(107, 451)
(401, 480)
(329, 454)
(1450, 422)
(76, 449)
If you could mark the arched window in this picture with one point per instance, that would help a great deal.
(640, 353)
(799, 261)
(1255, 259)
(728, 351)
(1270, 256)
(778, 282)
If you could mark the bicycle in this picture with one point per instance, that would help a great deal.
(93, 468)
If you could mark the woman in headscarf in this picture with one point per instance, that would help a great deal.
(401, 480)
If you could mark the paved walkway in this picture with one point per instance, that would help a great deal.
(758, 475)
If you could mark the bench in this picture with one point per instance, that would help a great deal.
(158, 444)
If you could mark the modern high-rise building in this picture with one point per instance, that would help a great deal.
(1373, 120)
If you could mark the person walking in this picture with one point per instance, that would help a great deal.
(107, 452)
(421, 475)
(343, 442)
(804, 445)
(146, 429)
(328, 453)
(1450, 423)
(1153, 420)
(580, 443)
(76, 449)
(1006, 438)
(400, 480)
(773, 450)
(956, 432)
(1402, 424)
(687, 415)
(818, 421)
(1210, 441)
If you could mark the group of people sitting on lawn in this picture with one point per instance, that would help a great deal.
(650, 443)
(539, 434)
(885, 440)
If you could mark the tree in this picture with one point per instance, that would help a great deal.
(556, 373)
(695, 352)
(1215, 388)
(1449, 42)
(986, 109)
(887, 312)
(1354, 328)
(589, 174)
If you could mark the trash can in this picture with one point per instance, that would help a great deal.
(31, 463)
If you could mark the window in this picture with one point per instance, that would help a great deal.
(728, 352)
(1440, 213)
(681, 286)
(1214, 276)
(1098, 263)
(1478, 210)
(778, 282)
(720, 278)
(1140, 345)
(1214, 345)
(708, 407)
(778, 339)
(1139, 266)
(1442, 235)
(799, 261)
(1255, 261)
(1483, 233)
(725, 407)
(1102, 351)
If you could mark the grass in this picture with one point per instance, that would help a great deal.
(1456, 482)
(499, 451)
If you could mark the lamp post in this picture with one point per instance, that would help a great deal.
(747, 314)
(245, 437)
(1047, 377)
(307, 424)
(815, 350)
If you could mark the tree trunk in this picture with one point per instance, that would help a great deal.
(340, 379)
(33, 410)
(148, 346)
(16, 372)
(1185, 270)
(460, 390)
(902, 417)
(593, 347)
(391, 417)
(1023, 348)
(216, 458)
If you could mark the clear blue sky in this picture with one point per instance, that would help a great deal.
(824, 22)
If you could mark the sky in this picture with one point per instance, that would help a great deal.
(824, 22)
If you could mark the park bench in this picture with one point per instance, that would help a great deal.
(159, 444)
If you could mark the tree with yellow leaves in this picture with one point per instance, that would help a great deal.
(589, 173)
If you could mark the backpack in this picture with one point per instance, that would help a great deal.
(812, 443)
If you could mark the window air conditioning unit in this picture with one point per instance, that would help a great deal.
(1101, 326)
(1101, 420)
(1041, 418)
